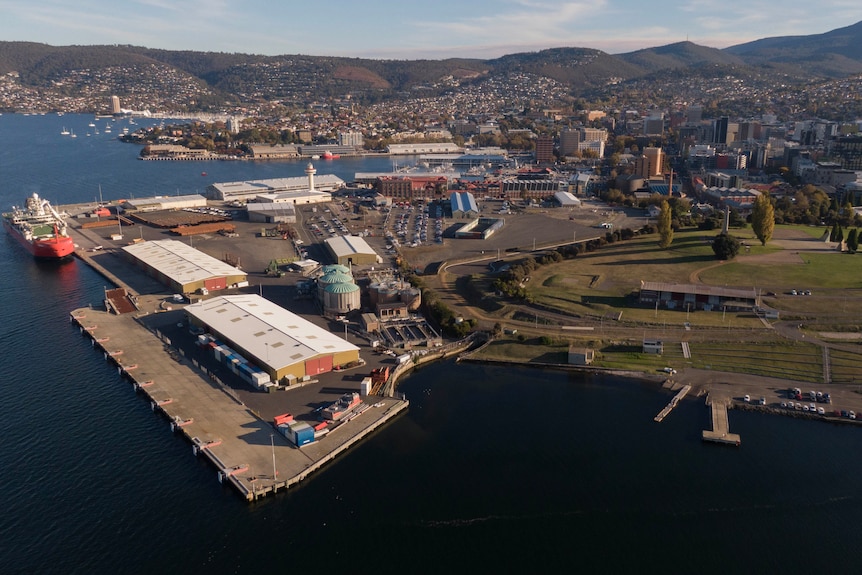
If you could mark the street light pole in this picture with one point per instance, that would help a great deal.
(274, 470)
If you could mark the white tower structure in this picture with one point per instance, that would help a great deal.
(310, 171)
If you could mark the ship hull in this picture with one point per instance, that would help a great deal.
(54, 248)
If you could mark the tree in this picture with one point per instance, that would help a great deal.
(665, 229)
(853, 240)
(763, 218)
(833, 234)
(725, 246)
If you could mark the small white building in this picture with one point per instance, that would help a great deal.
(567, 200)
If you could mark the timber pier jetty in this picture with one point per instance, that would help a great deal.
(247, 452)
(673, 403)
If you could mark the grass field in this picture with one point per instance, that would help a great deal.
(602, 286)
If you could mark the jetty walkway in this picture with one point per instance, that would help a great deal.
(673, 403)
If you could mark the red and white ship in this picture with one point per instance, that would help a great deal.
(40, 229)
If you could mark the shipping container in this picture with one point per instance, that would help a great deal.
(283, 418)
(260, 379)
(365, 387)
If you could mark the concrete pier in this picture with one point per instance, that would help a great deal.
(720, 427)
(247, 452)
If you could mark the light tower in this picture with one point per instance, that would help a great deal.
(310, 171)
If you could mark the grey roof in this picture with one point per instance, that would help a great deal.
(699, 289)
(463, 202)
(322, 182)
(343, 246)
(274, 335)
(180, 262)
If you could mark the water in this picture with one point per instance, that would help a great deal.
(491, 470)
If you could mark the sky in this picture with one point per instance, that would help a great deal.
(412, 29)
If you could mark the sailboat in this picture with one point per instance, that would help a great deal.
(65, 132)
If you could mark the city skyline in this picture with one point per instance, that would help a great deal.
(411, 30)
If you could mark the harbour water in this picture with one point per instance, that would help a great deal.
(492, 470)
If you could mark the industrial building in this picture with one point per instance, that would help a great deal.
(280, 342)
(156, 203)
(429, 148)
(182, 268)
(274, 152)
(248, 190)
(351, 250)
(271, 213)
(463, 205)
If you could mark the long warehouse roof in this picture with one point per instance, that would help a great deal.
(343, 246)
(273, 334)
(322, 182)
(180, 262)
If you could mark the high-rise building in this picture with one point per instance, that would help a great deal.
(719, 130)
(593, 134)
(354, 139)
(115, 105)
(544, 149)
(847, 151)
(650, 163)
(694, 114)
(569, 140)
(654, 125)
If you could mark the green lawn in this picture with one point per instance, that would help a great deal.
(821, 270)
(604, 283)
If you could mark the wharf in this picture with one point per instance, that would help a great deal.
(720, 427)
(248, 453)
(673, 403)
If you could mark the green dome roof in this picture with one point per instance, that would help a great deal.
(341, 288)
(335, 277)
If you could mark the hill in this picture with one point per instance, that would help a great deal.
(679, 55)
(187, 80)
(834, 54)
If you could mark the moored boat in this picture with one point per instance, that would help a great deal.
(39, 228)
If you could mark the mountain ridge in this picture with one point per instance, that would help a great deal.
(236, 77)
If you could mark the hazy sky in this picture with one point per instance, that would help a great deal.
(409, 29)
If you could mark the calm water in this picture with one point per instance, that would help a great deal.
(491, 469)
